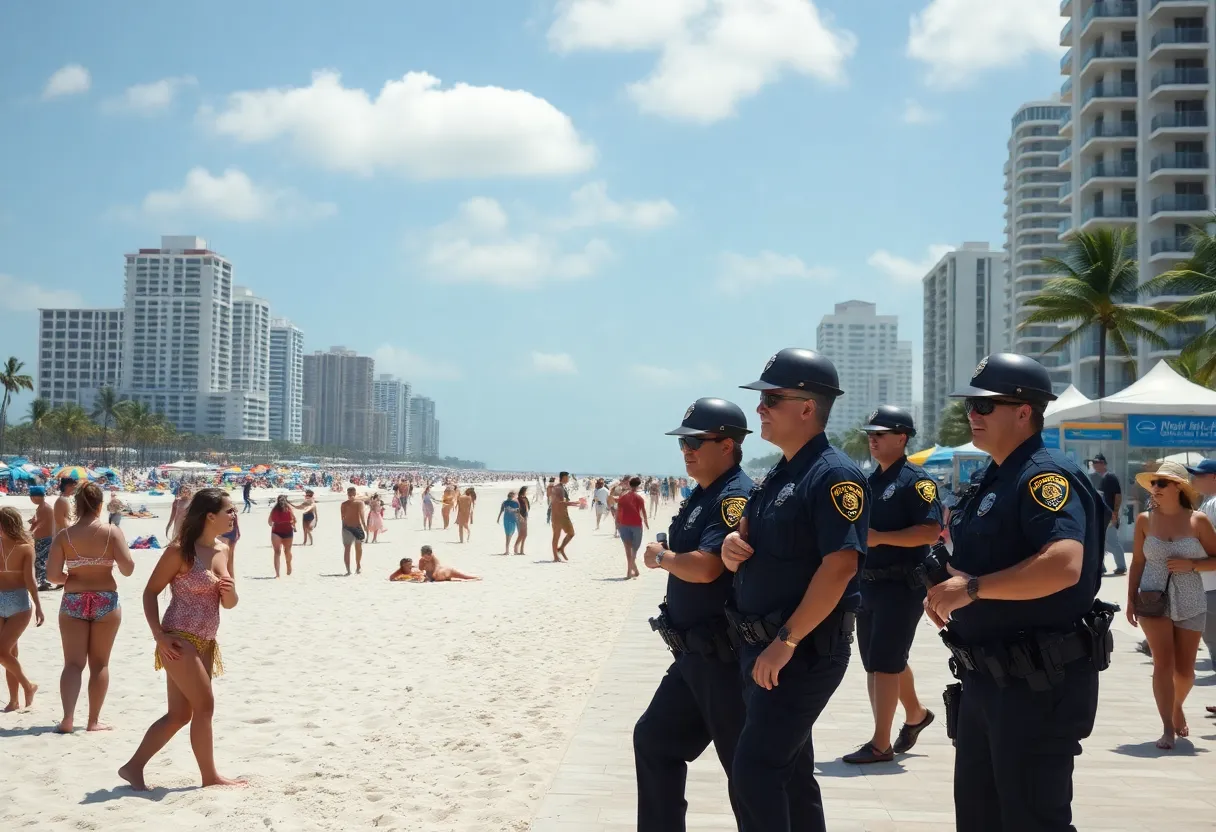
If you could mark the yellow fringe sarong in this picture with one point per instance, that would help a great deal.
(202, 645)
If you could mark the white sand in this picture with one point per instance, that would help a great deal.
(347, 702)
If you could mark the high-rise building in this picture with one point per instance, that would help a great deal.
(391, 396)
(250, 341)
(424, 428)
(286, 380)
(1138, 90)
(1033, 182)
(964, 321)
(338, 400)
(79, 351)
(874, 366)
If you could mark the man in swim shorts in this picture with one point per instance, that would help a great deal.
(42, 529)
(354, 529)
(559, 500)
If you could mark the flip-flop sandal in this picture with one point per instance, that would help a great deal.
(1211, 709)
(869, 754)
(909, 733)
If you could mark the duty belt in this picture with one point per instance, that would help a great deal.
(1037, 657)
(756, 631)
(898, 574)
(710, 640)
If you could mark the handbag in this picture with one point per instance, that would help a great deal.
(1152, 603)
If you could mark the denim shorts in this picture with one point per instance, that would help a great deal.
(632, 534)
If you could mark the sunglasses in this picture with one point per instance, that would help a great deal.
(986, 406)
(694, 443)
(771, 400)
(1161, 483)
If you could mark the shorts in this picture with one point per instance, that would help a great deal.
(115, 519)
(13, 601)
(351, 534)
(886, 624)
(632, 534)
(563, 523)
(1195, 623)
(283, 535)
(88, 606)
(42, 552)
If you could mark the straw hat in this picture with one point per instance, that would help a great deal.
(1170, 471)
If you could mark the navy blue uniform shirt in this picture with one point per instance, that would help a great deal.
(703, 522)
(904, 496)
(807, 507)
(1035, 497)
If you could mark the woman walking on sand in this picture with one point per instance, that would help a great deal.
(449, 499)
(282, 523)
(83, 557)
(375, 517)
(464, 514)
(17, 587)
(309, 507)
(195, 570)
(525, 505)
(231, 537)
(428, 508)
(508, 513)
(177, 512)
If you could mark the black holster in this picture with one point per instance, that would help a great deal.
(758, 631)
(710, 640)
(1096, 626)
(952, 696)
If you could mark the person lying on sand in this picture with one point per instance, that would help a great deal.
(407, 572)
(433, 571)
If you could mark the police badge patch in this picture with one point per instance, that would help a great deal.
(692, 518)
(770, 362)
(848, 497)
(688, 412)
(927, 489)
(784, 494)
(890, 492)
(732, 510)
(1050, 490)
(980, 367)
(986, 504)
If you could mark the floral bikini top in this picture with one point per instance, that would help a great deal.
(76, 562)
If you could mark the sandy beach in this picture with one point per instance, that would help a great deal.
(347, 702)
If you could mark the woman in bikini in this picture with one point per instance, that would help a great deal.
(464, 514)
(428, 508)
(195, 569)
(17, 587)
(177, 512)
(437, 573)
(83, 557)
(449, 499)
(309, 507)
(525, 505)
(282, 522)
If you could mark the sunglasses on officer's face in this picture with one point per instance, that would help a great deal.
(694, 443)
(985, 406)
(771, 400)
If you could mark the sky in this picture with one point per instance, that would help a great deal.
(563, 220)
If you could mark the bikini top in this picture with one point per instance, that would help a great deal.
(77, 562)
(4, 558)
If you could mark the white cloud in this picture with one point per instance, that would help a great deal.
(591, 206)
(916, 113)
(234, 197)
(412, 126)
(553, 362)
(150, 98)
(651, 375)
(18, 296)
(738, 273)
(409, 365)
(712, 53)
(958, 39)
(68, 80)
(905, 270)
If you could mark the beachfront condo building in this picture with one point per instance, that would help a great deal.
(964, 321)
(424, 428)
(874, 366)
(1138, 96)
(338, 400)
(250, 341)
(79, 352)
(286, 380)
(391, 396)
(1033, 213)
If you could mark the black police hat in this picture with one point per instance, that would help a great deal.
(798, 369)
(713, 416)
(888, 417)
(1011, 376)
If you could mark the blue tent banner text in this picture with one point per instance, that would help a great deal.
(1147, 431)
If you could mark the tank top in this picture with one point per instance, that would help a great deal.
(195, 606)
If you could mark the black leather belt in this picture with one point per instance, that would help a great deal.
(1038, 657)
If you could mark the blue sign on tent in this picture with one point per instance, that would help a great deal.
(1147, 431)
(1051, 438)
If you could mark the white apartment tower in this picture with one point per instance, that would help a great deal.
(79, 351)
(424, 428)
(1139, 92)
(250, 341)
(964, 321)
(874, 366)
(1033, 214)
(391, 396)
(286, 380)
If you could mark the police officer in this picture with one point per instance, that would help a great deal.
(700, 698)
(795, 560)
(1026, 634)
(905, 520)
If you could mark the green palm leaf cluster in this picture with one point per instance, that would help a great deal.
(1194, 278)
(954, 428)
(13, 381)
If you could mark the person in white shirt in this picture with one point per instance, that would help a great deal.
(1203, 477)
(600, 499)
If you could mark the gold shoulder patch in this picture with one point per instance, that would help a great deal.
(927, 489)
(1050, 490)
(849, 498)
(732, 510)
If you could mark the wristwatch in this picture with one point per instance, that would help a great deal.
(658, 558)
(973, 588)
(786, 637)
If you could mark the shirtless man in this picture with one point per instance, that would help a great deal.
(42, 529)
(433, 571)
(559, 499)
(354, 529)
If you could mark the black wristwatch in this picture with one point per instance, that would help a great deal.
(973, 588)
(787, 638)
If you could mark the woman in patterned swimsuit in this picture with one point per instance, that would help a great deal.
(83, 557)
(195, 568)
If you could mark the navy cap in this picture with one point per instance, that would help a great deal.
(888, 417)
(710, 415)
(1205, 466)
(1010, 376)
(799, 369)
(1099, 458)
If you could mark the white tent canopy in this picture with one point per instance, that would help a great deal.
(1162, 391)
(1071, 397)
(183, 465)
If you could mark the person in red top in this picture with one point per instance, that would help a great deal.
(630, 517)
(282, 529)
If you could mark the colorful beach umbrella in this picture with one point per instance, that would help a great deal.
(72, 472)
(235, 469)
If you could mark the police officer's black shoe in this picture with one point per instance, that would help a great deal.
(909, 733)
(869, 754)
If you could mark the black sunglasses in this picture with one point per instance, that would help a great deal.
(1162, 483)
(771, 400)
(694, 443)
(985, 406)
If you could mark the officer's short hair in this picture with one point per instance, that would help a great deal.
(737, 454)
(823, 407)
(1036, 417)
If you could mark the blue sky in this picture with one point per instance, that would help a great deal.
(563, 220)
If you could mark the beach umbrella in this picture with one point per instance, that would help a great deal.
(259, 469)
(72, 472)
(919, 457)
(235, 469)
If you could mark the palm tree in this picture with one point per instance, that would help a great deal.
(73, 425)
(1097, 276)
(855, 444)
(13, 381)
(40, 410)
(953, 428)
(1194, 278)
(104, 408)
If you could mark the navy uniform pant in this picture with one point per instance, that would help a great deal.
(886, 624)
(699, 700)
(774, 768)
(1014, 751)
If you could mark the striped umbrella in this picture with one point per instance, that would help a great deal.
(71, 472)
